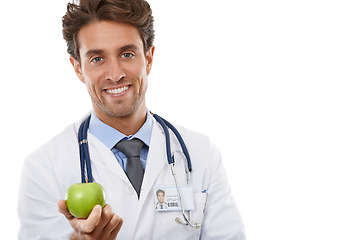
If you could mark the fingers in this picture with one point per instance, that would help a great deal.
(106, 216)
(115, 222)
(102, 222)
(63, 210)
(109, 224)
(116, 230)
(91, 222)
(109, 221)
(81, 225)
(112, 228)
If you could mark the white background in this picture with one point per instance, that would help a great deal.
(275, 84)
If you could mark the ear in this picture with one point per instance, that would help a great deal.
(149, 59)
(77, 67)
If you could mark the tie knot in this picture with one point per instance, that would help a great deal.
(131, 148)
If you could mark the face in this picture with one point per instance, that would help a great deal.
(114, 68)
(160, 197)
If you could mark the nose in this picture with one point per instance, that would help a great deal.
(114, 71)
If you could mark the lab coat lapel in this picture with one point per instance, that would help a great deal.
(102, 155)
(155, 163)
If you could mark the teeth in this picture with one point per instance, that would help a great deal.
(118, 90)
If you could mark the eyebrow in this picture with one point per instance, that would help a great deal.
(121, 49)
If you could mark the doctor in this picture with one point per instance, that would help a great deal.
(110, 47)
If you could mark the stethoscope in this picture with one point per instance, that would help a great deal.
(85, 160)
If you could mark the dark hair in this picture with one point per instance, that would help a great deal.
(160, 191)
(82, 12)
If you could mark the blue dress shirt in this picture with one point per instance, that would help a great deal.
(110, 137)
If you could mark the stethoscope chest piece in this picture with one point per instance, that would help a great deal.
(195, 225)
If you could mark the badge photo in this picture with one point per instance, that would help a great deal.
(167, 198)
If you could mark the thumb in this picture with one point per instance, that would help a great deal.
(91, 222)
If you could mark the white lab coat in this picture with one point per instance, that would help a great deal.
(49, 171)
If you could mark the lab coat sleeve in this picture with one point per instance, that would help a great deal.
(37, 205)
(222, 219)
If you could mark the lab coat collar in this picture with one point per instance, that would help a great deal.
(110, 136)
(156, 159)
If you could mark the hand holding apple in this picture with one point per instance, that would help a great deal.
(81, 198)
(101, 224)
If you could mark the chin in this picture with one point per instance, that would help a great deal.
(119, 110)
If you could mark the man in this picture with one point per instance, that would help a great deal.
(110, 47)
(161, 204)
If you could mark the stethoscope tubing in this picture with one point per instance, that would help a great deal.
(84, 152)
(85, 158)
(165, 125)
(84, 147)
(167, 138)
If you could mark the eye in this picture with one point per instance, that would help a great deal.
(127, 55)
(96, 59)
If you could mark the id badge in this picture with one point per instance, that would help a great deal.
(167, 198)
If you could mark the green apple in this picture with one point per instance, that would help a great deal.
(81, 198)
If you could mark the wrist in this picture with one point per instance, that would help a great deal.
(73, 236)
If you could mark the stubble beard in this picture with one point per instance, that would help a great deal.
(121, 110)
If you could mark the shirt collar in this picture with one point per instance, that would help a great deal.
(110, 136)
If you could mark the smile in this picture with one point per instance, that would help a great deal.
(117, 90)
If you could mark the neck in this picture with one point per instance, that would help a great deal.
(129, 124)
